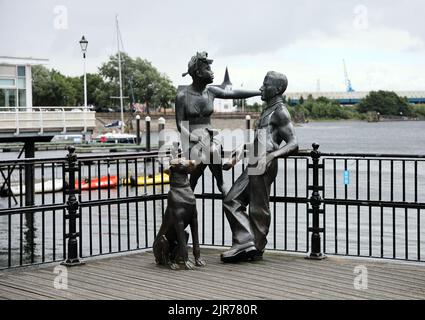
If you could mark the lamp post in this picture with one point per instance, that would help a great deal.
(83, 44)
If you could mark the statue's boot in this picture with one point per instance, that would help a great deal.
(239, 252)
(257, 256)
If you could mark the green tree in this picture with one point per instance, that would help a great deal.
(98, 91)
(149, 85)
(51, 88)
(384, 102)
(301, 100)
(321, 108)
(41, 86)
(417, 110)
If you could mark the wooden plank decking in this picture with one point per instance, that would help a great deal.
(278, 276)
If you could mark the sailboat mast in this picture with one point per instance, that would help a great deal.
(120, 77)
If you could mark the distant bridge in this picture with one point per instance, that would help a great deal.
(21, 122)
(349, 98)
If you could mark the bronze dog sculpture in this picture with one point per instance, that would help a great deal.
(170, 245)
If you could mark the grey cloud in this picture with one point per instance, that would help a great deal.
(168, 31)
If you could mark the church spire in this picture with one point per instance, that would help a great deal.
(226, 81)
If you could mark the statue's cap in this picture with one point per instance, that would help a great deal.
(193, 63)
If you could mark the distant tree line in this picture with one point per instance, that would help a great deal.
(382, 103)
(321, 108)
(141, 82)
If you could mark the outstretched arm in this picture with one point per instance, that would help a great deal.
(232, 94)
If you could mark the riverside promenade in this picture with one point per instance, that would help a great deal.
(279, 276)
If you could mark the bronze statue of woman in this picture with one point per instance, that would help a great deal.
(194, 107)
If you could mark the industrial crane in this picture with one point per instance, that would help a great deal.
(348, 86)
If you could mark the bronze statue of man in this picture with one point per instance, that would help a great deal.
(274, 133)
(194, 107)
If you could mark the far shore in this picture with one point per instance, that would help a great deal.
(229, 120)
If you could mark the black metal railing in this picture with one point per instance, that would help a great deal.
(32, 227)
(367, 205)
(375, 211)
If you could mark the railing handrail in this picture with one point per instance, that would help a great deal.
(54, 108)
(103, 156)
(373, 155)
(155, 153)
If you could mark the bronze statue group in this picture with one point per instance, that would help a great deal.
(274, 137)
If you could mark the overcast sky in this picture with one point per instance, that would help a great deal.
(382, 42)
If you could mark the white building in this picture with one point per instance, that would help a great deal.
(16, 82)
(19, 119)
(225, 105)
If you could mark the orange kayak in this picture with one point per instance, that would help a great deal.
(95, 182)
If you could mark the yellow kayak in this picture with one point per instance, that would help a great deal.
(149, 180)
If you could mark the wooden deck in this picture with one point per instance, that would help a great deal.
(278, 276)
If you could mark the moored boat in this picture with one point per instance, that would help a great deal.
(148, 180)
(39, 187)
(104, 182)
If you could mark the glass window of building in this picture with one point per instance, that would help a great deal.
(12, 86)
(7, 83)
(22, 97)
(21, 71)
(9, 100)
(21, 83)
(2, 98)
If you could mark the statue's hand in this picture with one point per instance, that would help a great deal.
(203, 143)
(262, 165)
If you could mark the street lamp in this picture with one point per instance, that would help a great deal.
(83, 44)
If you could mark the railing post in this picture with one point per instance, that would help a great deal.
(17, 121)
(72, 209)
(161, 134)
(148, 133)
(316, 202)
(84, 120)
(41, 122)
(138, 138)
(29, 147)
(63, 120)
(247, 128)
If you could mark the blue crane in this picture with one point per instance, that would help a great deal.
(348, 86)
